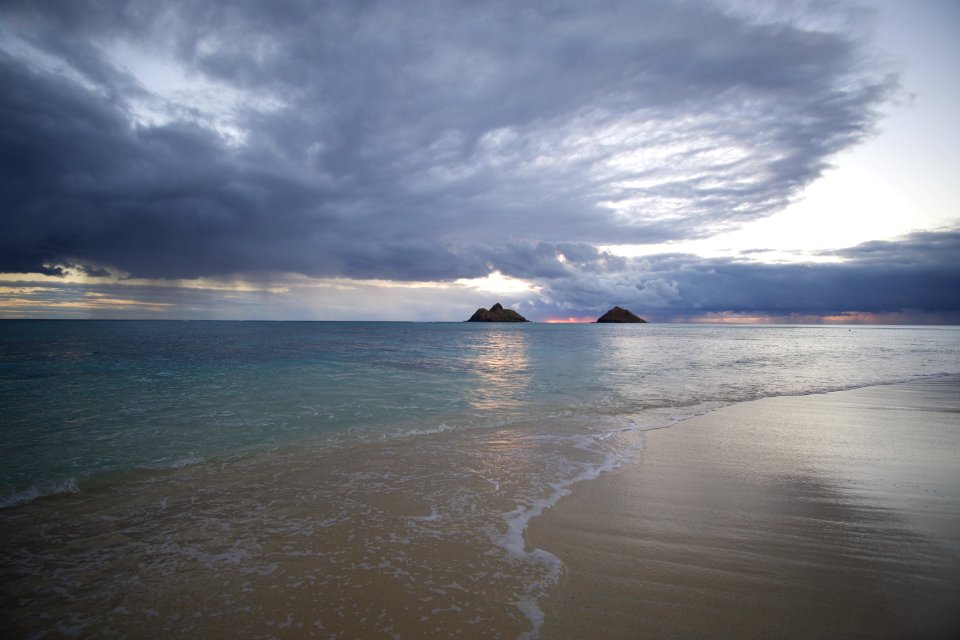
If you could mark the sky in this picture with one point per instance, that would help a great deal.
(705, 161)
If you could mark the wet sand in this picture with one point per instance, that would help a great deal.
(827, 516)
(413, 538)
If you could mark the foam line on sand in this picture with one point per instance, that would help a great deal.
(833, 515)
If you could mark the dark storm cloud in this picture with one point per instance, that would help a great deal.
(422, 141)
(920, 272)
(916, 250)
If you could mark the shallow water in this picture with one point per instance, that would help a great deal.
(348, 479)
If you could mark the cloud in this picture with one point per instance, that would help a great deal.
(919, 249)
(914, 279)
(426, 141)
(918, 272)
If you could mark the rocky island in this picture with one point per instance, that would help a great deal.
(619, 314)
(497, 314)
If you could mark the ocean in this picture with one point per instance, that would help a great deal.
(349, 479)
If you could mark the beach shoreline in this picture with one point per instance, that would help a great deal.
(828, 515)
(576, 523)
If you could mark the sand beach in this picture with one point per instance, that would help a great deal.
(822, 516)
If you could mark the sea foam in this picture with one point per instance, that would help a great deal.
(53, 488)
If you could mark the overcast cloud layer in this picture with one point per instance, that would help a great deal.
(432, 141)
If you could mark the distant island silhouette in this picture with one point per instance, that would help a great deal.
(496, 314)
(619, 314)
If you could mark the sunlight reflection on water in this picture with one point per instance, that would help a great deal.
(502, 367)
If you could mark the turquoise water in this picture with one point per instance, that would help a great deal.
(81, 401)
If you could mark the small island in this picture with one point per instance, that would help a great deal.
(619, 314)
(497, 314)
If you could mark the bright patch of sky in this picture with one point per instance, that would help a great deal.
(905, 179)
(174, 93)
(497, 283)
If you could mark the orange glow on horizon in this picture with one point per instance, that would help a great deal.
(569, 320)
